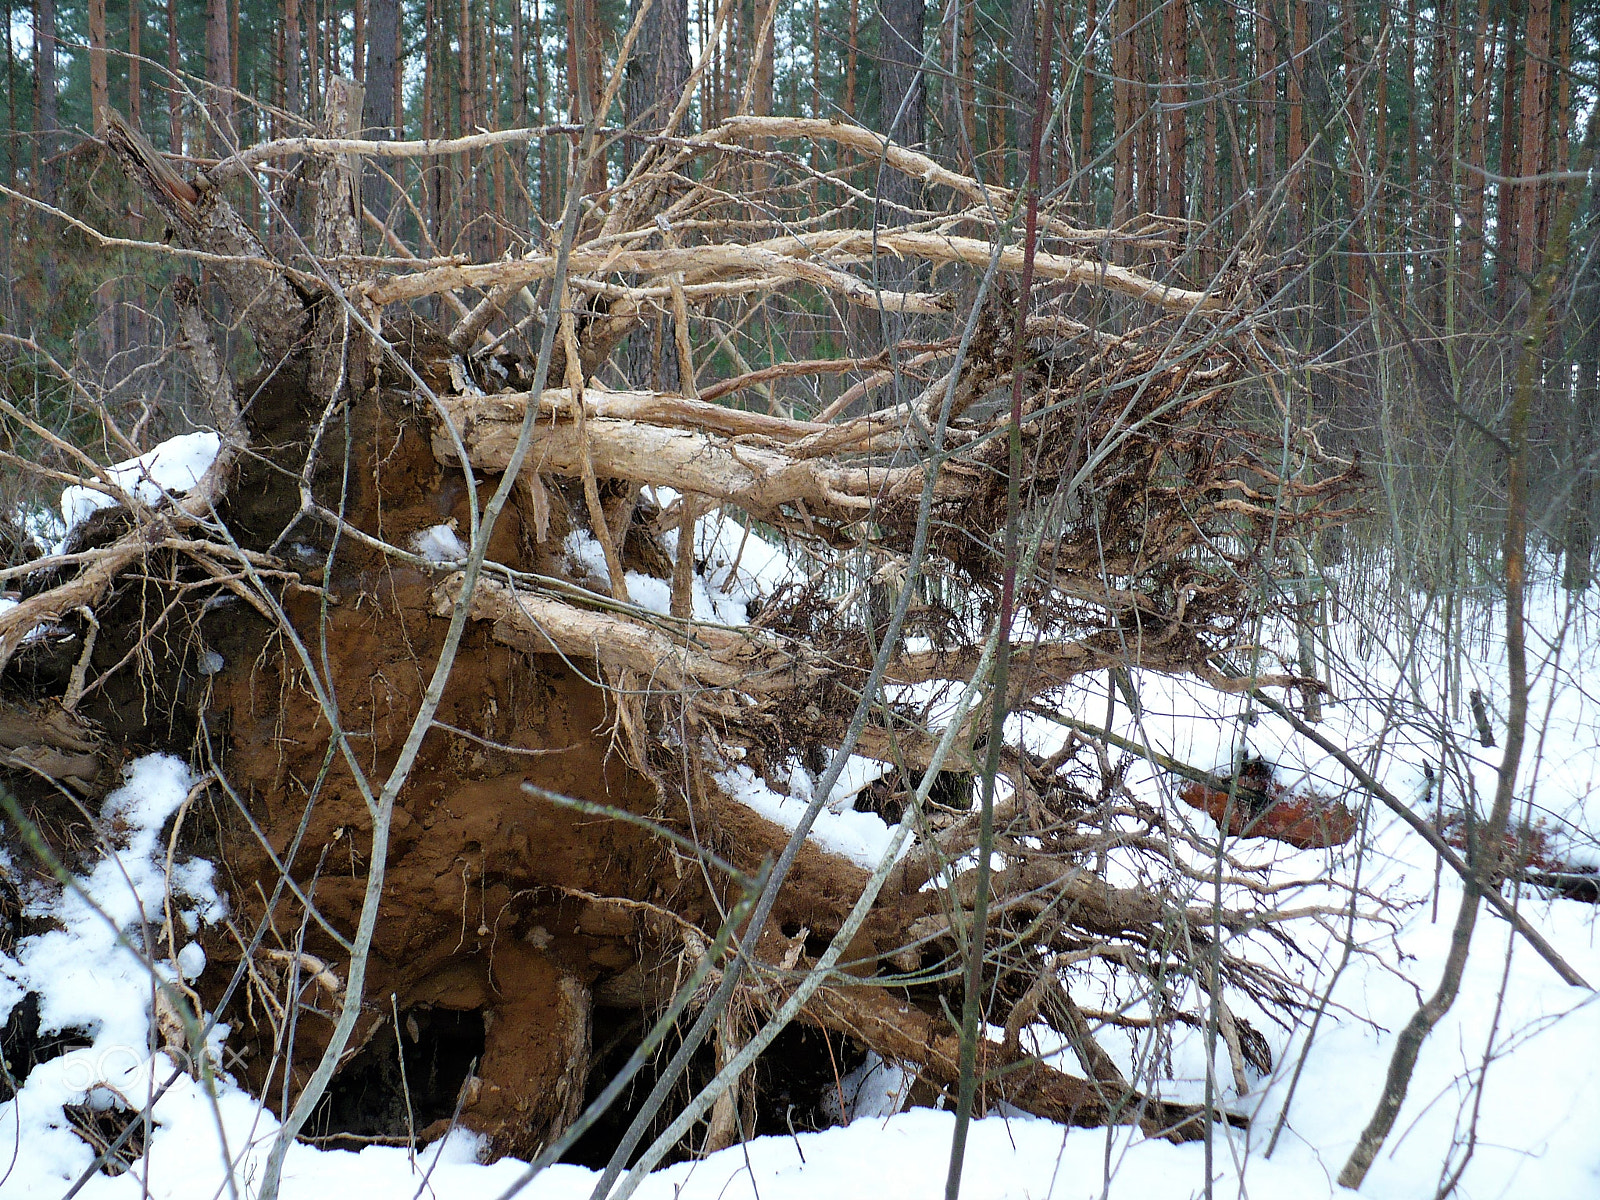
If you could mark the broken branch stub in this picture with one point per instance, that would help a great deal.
(201, 218)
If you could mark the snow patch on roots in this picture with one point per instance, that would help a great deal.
(439, 545)
(176, 465)
(861, 837)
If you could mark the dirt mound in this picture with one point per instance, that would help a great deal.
(504, 916)
(481, 920)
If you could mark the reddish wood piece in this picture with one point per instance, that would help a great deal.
(1263, 808)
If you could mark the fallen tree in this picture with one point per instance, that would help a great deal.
(383, 709)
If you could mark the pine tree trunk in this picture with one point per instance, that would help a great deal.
(967, 87)
(1355, 116)
(1147, 66)
(1266, 101)
(1378, 227)
(851, 53)
(1023, 51)
(1472, 241)
(1239, 183)
(313, 79)
(99, 88)
(902, 114)
(1577, 568)
(1122, 116)
(45, 120)
(1294, 94)
(174, 65)
(1174, 94)
(135, 36)
(1086, 143)
(542, 115)
(1535, 128)
(1212, 204)
(1443, 203)
(1413, 140)
(657, 75)
(291, 55)
(383, 35)
(1506, 193)
(11, 110)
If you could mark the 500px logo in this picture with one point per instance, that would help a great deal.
(84, 1070)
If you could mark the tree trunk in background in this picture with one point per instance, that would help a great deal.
(1577, 567)
(1122, 115)
(659, 69)
(11, 105)
(1413, 139)
(378, 109)
(383, 35)
(291, 56)
(135, 35)
(219, 78)
(542, 114)
(1022, 49)
(852, 54)
(1319, 216)
(1355, 117)
(657, 74)
(234, 77)
(1294, 86)
(1476, 146)
(966, 56)
(1444, 205)
(1086, 150)
(761, 92)
(1505, 204)
(1266, 101)
(174, 65)
(1215, 42)
(45, 120)
(1558, 93)
(1174, 95)
(99, 88)
(901, 87)
(902, 93)
(1377, 228)
(586, 74)
(1146, 70)
(1535, 129)
(1238, 185)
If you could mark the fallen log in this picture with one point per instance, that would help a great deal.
(757, 478)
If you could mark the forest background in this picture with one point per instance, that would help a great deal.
(1397, 192)
(1391, 169)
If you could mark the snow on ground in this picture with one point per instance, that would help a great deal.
(1513, 1071)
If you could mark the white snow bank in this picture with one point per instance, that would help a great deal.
(710, 602)
(176, 465)
(87, 972)
(91, 974)
(1511, 1069)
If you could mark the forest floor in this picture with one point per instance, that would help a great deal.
(1506, 1091)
